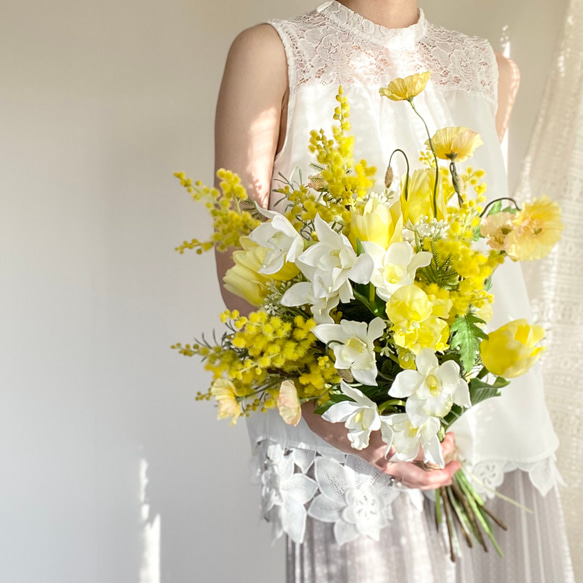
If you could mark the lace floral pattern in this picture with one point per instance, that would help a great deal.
(351, 494)
(333, 45)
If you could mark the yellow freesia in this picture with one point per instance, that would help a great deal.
(511, 350)
(455, 143)
(288, 403)
(537, 228)
(223, 391)
(376, 222)
(244, 279)
(405, 89)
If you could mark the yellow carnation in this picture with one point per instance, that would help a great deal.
(496, 228)
(455, 143)
(406, 89)
(537, 228)
(223, 391)
(511, 350)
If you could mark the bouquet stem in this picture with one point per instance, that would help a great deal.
(461, 504)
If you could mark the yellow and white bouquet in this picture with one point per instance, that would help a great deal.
(373, 303)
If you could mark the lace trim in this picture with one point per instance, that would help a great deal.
(346, 491)
(321, 50)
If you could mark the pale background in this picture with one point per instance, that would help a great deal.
(110, 472)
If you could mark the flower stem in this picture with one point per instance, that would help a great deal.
(434, 157)
(492, 202)
(406, 175)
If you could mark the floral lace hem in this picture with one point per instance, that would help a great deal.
(356, 498)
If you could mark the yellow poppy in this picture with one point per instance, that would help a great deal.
(405, 89)
(455, 143)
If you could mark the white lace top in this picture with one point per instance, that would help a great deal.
(300, 473)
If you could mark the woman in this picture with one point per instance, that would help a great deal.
(279, 83)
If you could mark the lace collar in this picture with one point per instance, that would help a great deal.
(349, 20)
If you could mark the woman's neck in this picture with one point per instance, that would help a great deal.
(387, 13)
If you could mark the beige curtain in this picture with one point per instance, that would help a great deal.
(554, 165)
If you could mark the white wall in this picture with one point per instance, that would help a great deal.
(101, 101)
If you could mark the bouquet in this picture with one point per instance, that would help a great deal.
(372, 301)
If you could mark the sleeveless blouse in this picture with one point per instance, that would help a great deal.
(300, 473)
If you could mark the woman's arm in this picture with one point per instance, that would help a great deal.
(247, 123)
(508, 83)
(248, 131)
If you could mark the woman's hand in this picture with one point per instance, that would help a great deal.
(411, 474)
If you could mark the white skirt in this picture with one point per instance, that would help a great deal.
(411, 551)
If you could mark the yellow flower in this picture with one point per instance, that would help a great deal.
(537, 228)
(419, 201)
(432, 332)
(511, 350)
(496, 228)
(376, 222)
(407, 305)
(244, 279)
(455, 143)
(288, 403)
(224, 392)
(407, 88)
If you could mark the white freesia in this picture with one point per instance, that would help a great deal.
(395, 267)
(277, 235)
(432, 389)
(353, 346)
(408, 438)
(329, 266)
(360, 416)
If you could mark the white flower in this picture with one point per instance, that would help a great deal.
(277, 235)
(408, 438)
(353, 346)
(360, 416)
(432, 389)
(284, 493)
(328, 265)
(354, 496)
(395, 267)
(302, 293)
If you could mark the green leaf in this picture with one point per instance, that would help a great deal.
(495, 208)
(466, 338)
(480, 390)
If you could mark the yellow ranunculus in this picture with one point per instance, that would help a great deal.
(537, 228)
(288, 403)
(407, 305)
(455, 143)
(419, 202)
(407, 88)
(223, 391)
(511, 350)
(376, 222)
(244, 279)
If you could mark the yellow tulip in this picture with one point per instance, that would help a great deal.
(419, 201)
(511, 350)
(376, 222)
(223, 391)
(537, 228)
(244, 279)
(406, 89)
(288, 403)
(455, 143)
